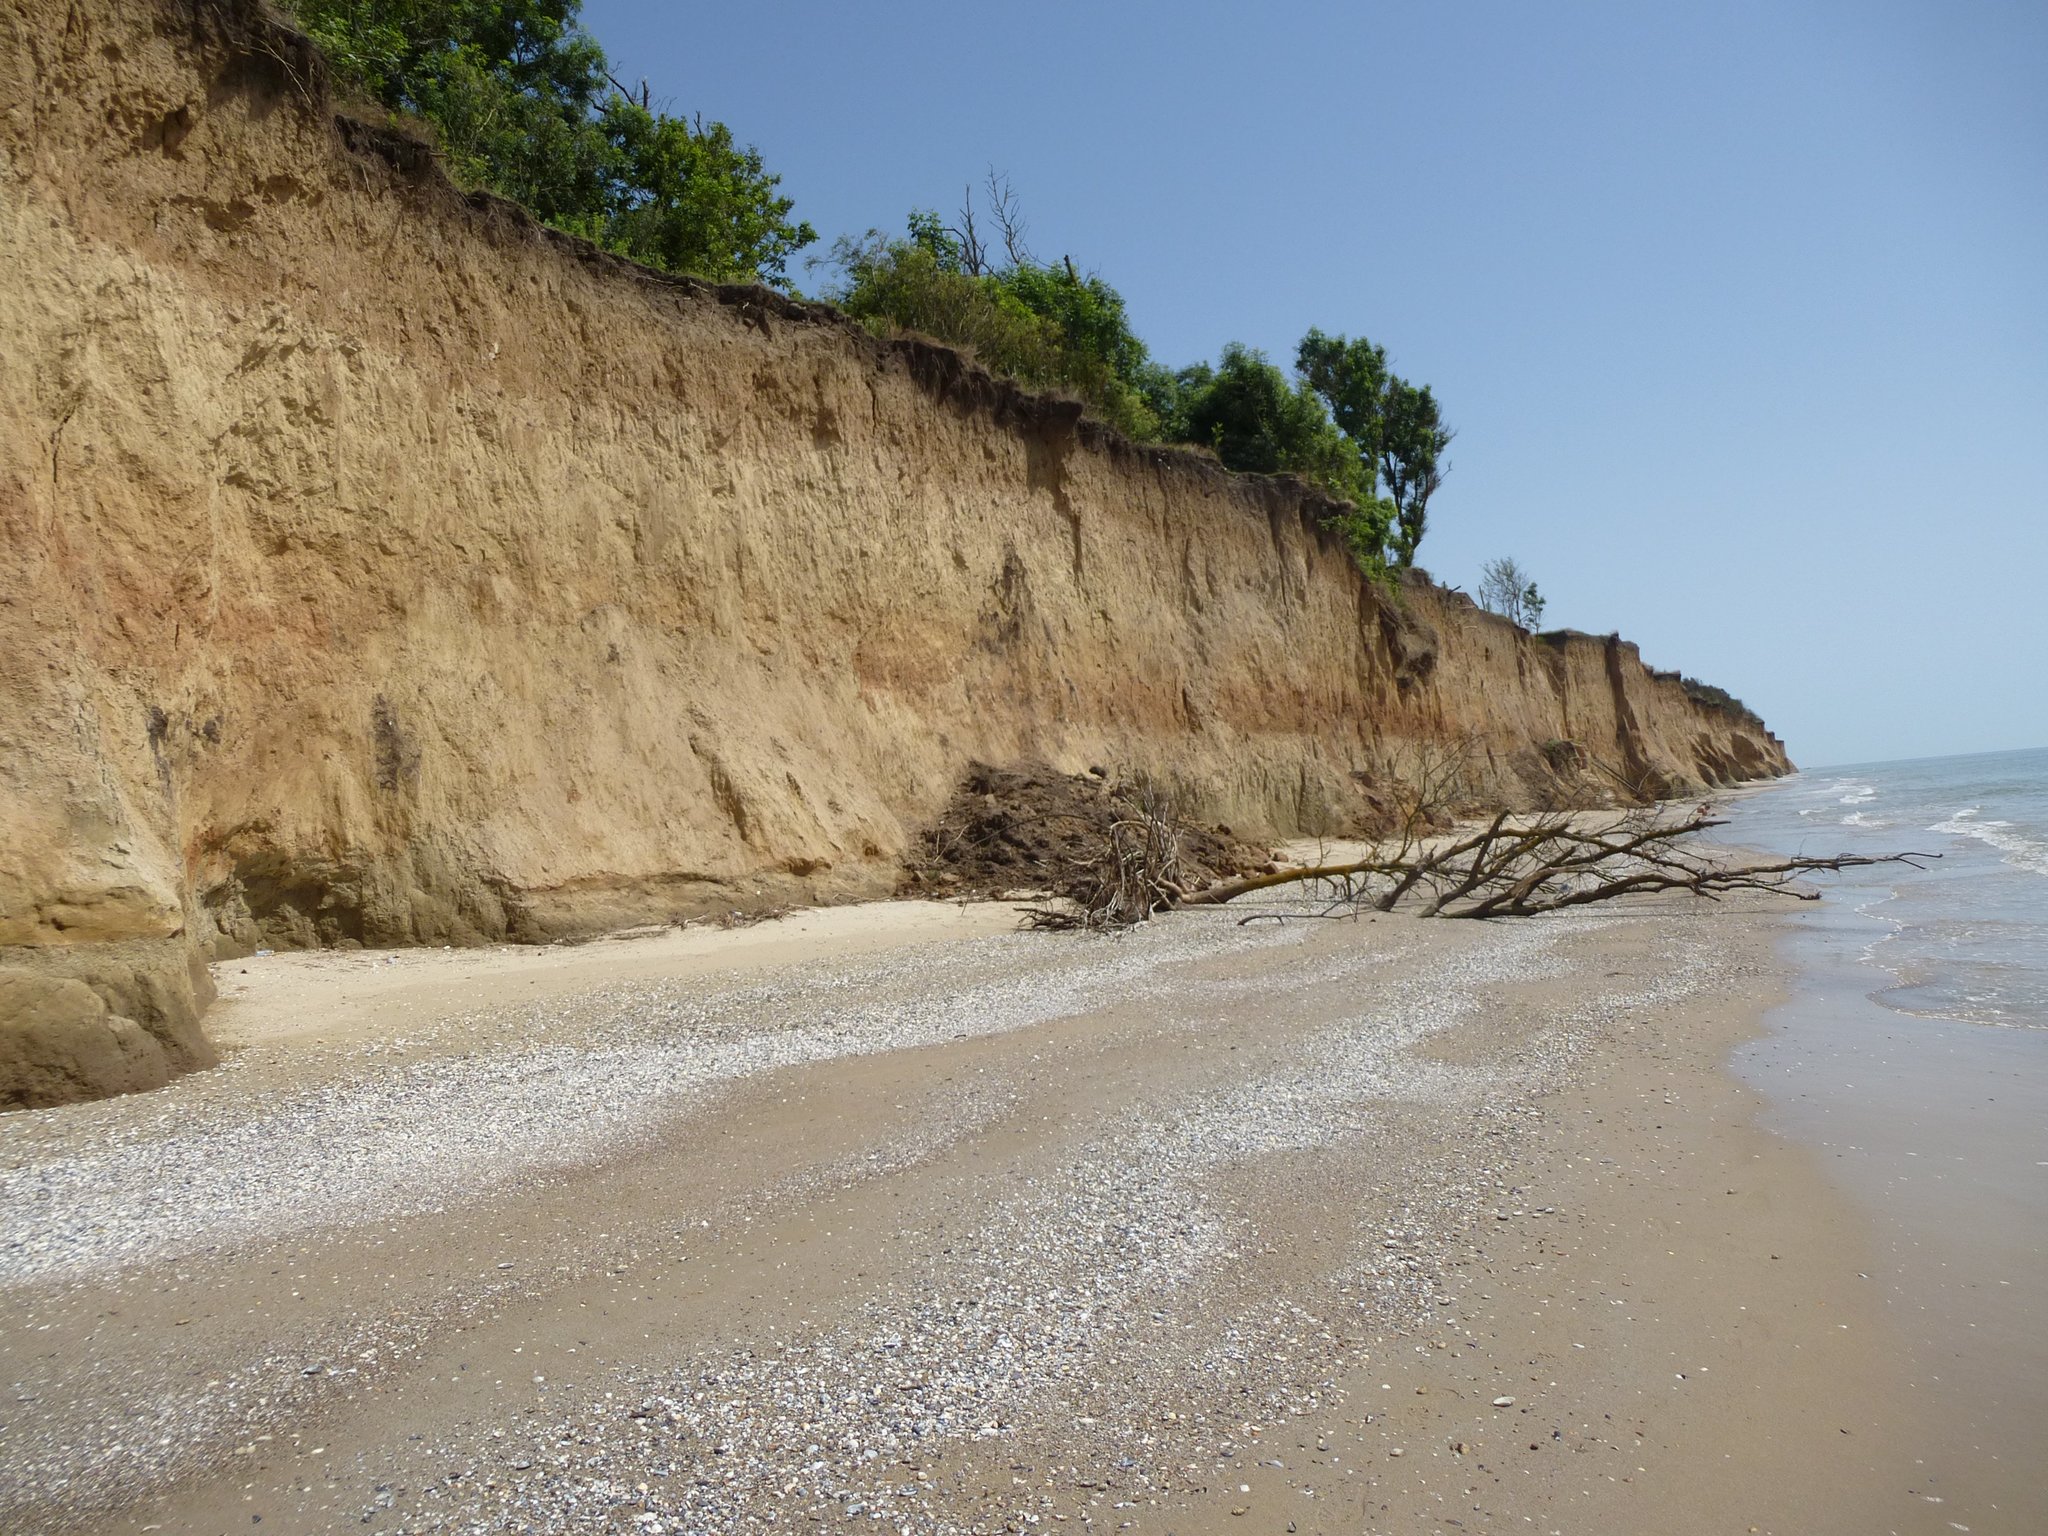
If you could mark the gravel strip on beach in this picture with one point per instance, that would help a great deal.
(198, 1168)
(1081, 1282)
(1106, 1303)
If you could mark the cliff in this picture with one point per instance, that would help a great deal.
(379, 567)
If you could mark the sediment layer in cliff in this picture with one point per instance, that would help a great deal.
(380, 567)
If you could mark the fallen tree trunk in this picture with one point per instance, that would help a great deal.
(1511, 867)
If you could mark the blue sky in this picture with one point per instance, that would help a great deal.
(1741, 311)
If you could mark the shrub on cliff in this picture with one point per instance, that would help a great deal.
(1047, 326)
(1719, 698)
(1259, 421)
(1256, 419)
(521, 101)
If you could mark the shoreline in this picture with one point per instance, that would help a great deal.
(1123, 1197)
(1938, 1130)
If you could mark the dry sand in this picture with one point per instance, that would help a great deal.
(891, 1219)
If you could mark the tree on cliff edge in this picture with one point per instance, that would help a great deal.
(1396, 427)
(523, 103)
(1506, 589)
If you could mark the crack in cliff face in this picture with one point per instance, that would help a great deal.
(398, 754)
(545, 593)
(724, 792)
(1412, 645)
(1046, 470)
(1644, 781)
(1009, 613)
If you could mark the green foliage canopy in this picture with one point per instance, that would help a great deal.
(1257, 420)
(522, 102)
(1046, 325)
(1395, 427)
(914, 285)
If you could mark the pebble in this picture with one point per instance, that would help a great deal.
(1125, 1242)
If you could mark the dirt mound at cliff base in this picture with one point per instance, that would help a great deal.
(1031, 830)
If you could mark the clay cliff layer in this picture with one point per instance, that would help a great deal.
(378, 567)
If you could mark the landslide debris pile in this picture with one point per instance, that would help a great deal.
(1033, 831)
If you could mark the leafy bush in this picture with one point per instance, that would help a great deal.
(521, 102)
(1718, 698)
(1258, 420)
(1102, 358)
(903, 285)
(1046, 326)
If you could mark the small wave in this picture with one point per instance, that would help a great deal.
(2021, 851)
(1934, 1001)
(1859, 819)
(1859, 794)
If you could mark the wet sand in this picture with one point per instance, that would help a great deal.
(894, 1221)
(1939, 1130)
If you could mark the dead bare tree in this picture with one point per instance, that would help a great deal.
(1007, 212)
(1512, 866)
(1516, 866)
(1508, 590)
(967, 235)
(1432, 778)
(642, 98)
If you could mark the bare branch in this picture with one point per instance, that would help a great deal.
(641, 101)
(1007, 213)
(973, 250)
(1512, 866)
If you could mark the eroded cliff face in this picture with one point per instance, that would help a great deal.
(379, 567)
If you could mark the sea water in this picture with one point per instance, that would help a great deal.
(1911, 1056)
(1966, 936)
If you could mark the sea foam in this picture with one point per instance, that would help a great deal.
(2021, 851)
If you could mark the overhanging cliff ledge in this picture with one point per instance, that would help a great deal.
(382, 568)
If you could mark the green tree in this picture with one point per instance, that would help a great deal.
(1257, 420)
(1411, 461)
(522, 102)
(1167, 393)
(929, 234)
(1351, 377)
(1395, 427)
(691, 200)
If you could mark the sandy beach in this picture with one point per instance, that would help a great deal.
(894, 1218)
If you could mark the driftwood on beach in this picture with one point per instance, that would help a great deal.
(1515, 865)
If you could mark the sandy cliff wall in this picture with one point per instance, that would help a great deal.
(375, 566)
